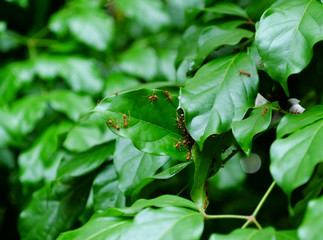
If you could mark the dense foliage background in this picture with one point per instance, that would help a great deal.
(177, 125)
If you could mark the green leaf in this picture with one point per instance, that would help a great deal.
(105, 190)
(9, 40)
(207, 98)
(89, 25)
(166, 64)
(203, 166)
(228, 9)
(150, 14)
(87, 133)
(86, 162)
(244, 130)
(14, 76)
(99, 227)
(140, 61)
(54, 209)
(164, 223)
(165, 174)
(310, 228)
(213, 37)
(80, 74)
(207, 162)
(268, 233)
(161, 201)
(152, 127)
(285, 40)
(133, 166)
(297, 149)
(40, 162)
(70, 103)
(22, 117)
(178, 8)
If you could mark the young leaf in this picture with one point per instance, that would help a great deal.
(310, 228)
(207, 98)
(297, 149)
(87, 24)
(286, 35)
(152, 127)
(244, 130)
(132, 165)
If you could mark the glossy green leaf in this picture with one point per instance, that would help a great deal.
(84, 163)
(54, 209)
(150, 14)
(89, 25)
(268, 233)
(132, 165)
(228, 9)
(161, 201)
(9, 40)
(244, 130)
(70, 103)
(207, 162)
(140, 61)
(286, 35)
(218, 95)
(297, 149)
(87, 133)
(152, 127)
(166, 64)
(80, 74)
(40, 162)
(14, 76)
(164, 223)
(106, 192)
(213, 37)
(203, 163)
(165, 174)
(310, 228)
(22, 117)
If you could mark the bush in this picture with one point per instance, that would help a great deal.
(156, 119)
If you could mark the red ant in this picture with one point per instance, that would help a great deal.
(113, 124)
(264, 111)
(188, 156)
(245, 73)
(125, 122)
(261, 64)
(169, 96)
(153, 98)
(177, 145)
(116, 92)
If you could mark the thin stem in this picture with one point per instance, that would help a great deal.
(279, 110)
(254, 214)
(226, 216)
(257, 224)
